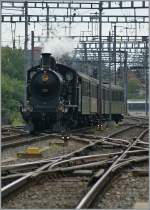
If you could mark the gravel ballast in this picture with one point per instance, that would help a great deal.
(49, 193)
(62, 192)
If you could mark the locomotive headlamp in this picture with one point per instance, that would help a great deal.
(99, 127)
(45, 76)
(60, 108)
(65, 137)
(29, 108)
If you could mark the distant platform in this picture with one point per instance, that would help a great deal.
(137, 107)
(141, 205)
(137, 113)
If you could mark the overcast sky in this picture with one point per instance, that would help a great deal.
(58, 29)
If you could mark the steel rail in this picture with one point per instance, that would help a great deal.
(90, 196)
(93, 165)
(23, 141)
(105, 142)
(68, 162)
(7, 138)
(14, 185)
(143, 142)
(122, 130)
(127, 162)
(97, 164)
(19, 142)
(94, 160)
(108, 141)
(26, 166)
(139, 119)
(21, 181)
(12, 128)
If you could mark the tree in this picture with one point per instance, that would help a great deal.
(12, 62)
(11, 84)
(134, 87)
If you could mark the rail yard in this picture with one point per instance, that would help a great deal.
(75, 104)
(86, 171)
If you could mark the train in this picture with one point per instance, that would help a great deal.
(59, 97)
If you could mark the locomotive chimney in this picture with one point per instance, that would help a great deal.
(48, 61)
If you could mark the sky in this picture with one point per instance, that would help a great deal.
(58, 29)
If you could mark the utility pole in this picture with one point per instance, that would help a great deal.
(135, 24)
(125, 82)
(26, 48)
(32, 48)
(92, 27)
(114, 52)
(70, 20)
(146, 77)
(110, 92)
(126, 36)
(19, 41)
(85, 58)
(13, 32)
(47, 22)
(100, 61)
(120, 73)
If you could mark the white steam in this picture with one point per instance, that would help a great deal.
(58, 47)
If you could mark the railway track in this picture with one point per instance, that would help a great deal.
(103, 180)
(84, 162)
(21, 139)
(138, 119)
(12, 137)
(9, 130)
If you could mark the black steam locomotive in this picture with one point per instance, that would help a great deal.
(58, 97)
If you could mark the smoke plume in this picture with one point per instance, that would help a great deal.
(58, 47)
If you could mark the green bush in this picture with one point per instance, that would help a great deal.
(12, 85)
(134, 86)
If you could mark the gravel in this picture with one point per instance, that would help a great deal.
(66, 192)
(49, 193)
(54, 149)
(130, 134)
(146, 137)
(109, 129)
(124, 192)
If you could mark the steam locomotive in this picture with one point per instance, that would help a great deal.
(59, 97)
